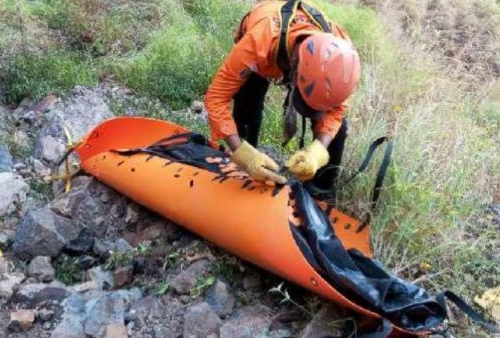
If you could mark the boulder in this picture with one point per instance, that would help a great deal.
(5, 159)
(79, 113)
(13, 192)
(248, 322)
(201, 321)
(41, 268)
(44, 233)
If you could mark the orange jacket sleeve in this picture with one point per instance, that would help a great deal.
(330, 122)
(247, 56)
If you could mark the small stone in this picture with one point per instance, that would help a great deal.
(41, 268)
(82, 244)
(116, 331)
(70, 327)
(103, 311)
(40, 169)
(6, 163)
(34, 294)
(250, 321)
(45, 315)
(155, 231)
(132, 213)
(13, 192)
(164, 332)
(4, 265)
(8, 282)
(123, 276)
(86, 262)
(103, 279)
(200, 321)
(49, 149)
(183, 282)
(21, 320)
(121, 245)
(102, 248)
(219, 296)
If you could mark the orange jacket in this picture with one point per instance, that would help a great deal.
(256, 52)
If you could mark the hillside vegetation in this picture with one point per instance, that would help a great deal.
(430, 70)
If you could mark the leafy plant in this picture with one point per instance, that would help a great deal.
(201, 286)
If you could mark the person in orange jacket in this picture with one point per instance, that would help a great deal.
(321, 69)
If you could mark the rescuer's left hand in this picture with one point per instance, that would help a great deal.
(305, 162)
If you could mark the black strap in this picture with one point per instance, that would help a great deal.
(386, 161)
(467, 309)
(282, 57)
(303, 135)
(287, 14)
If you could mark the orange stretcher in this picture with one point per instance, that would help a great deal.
(249, 219)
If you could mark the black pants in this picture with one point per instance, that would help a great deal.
(247, 112)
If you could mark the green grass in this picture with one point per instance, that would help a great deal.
(181, 58)
(49, 72)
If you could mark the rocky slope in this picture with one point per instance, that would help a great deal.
(91, 263)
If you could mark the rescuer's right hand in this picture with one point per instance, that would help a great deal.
(257, 164)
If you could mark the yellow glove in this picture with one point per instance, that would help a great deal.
(258, 165)
(305, 162)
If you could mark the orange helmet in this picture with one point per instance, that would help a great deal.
(328, 71)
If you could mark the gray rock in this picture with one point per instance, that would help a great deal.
(8, 283)
(144, 310)
(183, 282)
(41, 268)
(220, 298)
(82, 244)
(79, 113)
(131, 295)
(70, 327)
(164, 332)
(102, 248)
(84, 205)
(34, 294)
(201, 321)
(43, 233)
(121, 245)
(102, 278)
(123, 275)
(248, 322)
(49, 149)
(4, 266)
(40, 169)
(13, 192)
(320, 324)
(105, 310)
(5, 159)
